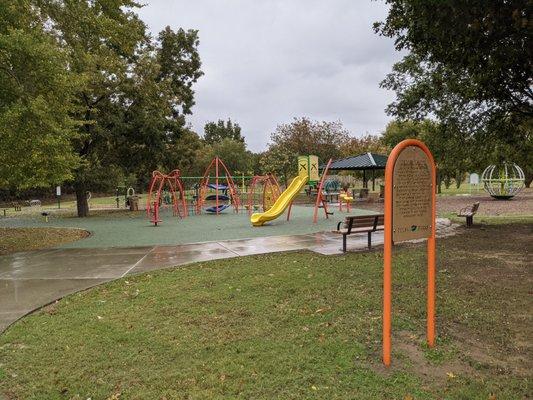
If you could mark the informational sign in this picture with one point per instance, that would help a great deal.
(412, 195)
(303, 166)
(474, 179)
(409, 214)
(58, 191)
(313, 169)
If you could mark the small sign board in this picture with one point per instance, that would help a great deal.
(58, 191)
(474, 179)
(313, 169)
(303, 166)
(412, 195)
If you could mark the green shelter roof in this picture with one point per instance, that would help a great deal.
(360, 162)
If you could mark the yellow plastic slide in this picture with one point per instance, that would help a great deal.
(283, 201)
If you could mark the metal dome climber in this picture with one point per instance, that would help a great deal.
(265, 185)
(234, 199)
(503, 181)
(157, 185)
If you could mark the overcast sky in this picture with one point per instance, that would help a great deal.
(268, 61)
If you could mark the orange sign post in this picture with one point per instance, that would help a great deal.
(410, 180)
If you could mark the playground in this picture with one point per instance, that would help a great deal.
(135, 230)
(311, 308)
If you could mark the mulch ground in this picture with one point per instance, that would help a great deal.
(519, 205)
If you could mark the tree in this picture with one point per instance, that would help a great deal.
(280, 162)
(451, 149)
(216, 132)
(304, 136)
(480, 68)
(474, 79)
(232, 152)
(182, 153)
(136, 92)
(369, 143)
(36, 127)
(517, 146)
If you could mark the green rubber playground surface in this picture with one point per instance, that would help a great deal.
(134, 229)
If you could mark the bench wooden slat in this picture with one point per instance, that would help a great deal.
(469, 212)
(360, 224)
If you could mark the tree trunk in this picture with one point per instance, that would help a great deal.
(439, 182)
(81, 201)
(447, 181)
(458, 180)
(529, 179)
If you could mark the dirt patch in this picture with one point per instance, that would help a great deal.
(497, 270)
(484, 304)
(519, 205)
(436, 373)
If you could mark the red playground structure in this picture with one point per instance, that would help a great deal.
(172, 183)
(320, 201)
(270, 191)
(221, 195)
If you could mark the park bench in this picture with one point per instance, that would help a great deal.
(360, 224)
(469, 212)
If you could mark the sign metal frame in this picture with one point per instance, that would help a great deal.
(388, 242)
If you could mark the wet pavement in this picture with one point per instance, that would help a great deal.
(33, 279)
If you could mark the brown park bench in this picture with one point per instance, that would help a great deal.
(360, 224)
(468, 213)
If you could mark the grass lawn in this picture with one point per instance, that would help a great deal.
(289, 326)
(24, 239)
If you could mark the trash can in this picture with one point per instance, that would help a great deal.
(134, 203)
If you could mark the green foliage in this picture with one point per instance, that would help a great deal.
(483, 62)
(451, 149)
(474, 79)
(216, 132)
(232, 152)
(182, 153)
(369, 143)
(136, 91)
(302, 137)
(279, 161)
(36, 94)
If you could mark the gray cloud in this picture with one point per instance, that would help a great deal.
(267, 61)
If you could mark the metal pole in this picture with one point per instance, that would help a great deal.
(387, 264)
(216, 184)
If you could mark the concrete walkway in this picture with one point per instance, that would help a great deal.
(33, 279)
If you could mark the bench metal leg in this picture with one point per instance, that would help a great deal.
(369, 240)
(344, 243)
